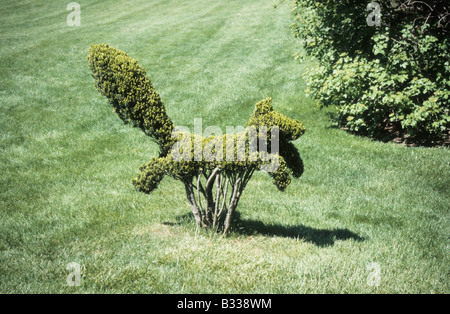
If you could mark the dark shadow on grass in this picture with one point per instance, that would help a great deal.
(389, 132)
(319, 237)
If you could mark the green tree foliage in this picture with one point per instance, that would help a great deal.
(216, 169)
(395, 75)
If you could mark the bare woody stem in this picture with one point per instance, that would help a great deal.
(219, 206)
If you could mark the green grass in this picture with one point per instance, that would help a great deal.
(67, 162)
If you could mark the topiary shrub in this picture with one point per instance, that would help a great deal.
(379, 78)
(214, 170)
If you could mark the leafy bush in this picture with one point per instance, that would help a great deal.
(396, 75)
(214, 176)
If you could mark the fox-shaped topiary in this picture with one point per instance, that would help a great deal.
(215, 170)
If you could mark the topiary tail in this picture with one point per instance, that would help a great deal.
(131, 94)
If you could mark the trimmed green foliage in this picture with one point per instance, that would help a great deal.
(243, 157)
(222, 160)
(265, 116)
(130, 92)
(395, 75)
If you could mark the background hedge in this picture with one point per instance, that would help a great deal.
(394, 76)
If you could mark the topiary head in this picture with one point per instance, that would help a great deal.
(265, 116)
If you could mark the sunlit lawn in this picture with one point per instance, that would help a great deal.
(67, 163)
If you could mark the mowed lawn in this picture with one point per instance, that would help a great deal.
(366, 216)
